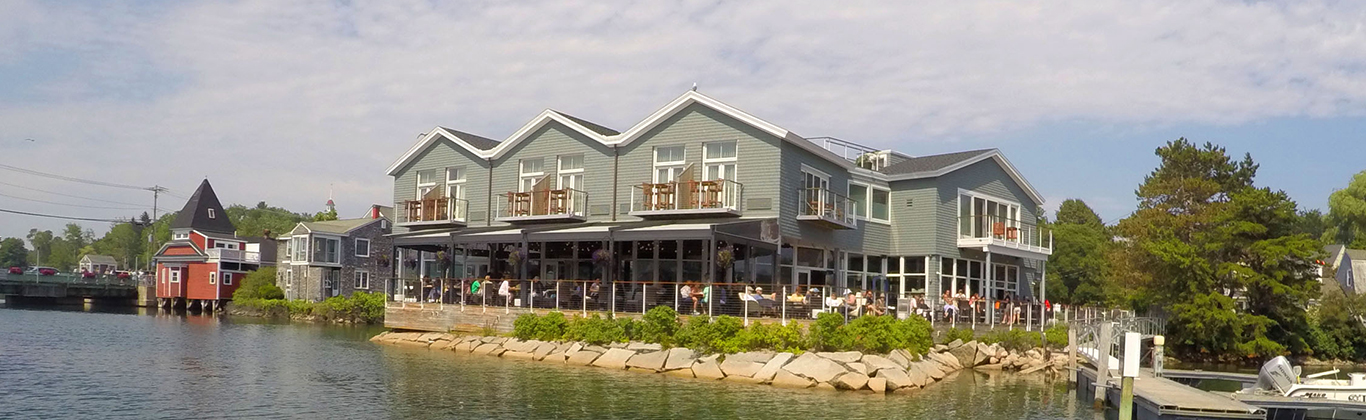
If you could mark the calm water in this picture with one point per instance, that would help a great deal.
(71, 364)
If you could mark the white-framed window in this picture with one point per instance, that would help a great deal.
(669, 163)
(858, 193)
(814, 184)
(211, 213)
(979, 215)
(289, 278)
(455, 183)
(362, 280)
(880, 205)
(426, 182)
(300, 247)
(326, 250)
(180, 236)
(227, 279)
(530, 172)
(362, 247)
(571, 172)
(174, 274)
(213, 278)
(289, 250)
(718, 160)
(224, 245)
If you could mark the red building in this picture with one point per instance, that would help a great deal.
(205, 260)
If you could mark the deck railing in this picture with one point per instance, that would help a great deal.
(233, 255)
(441, 209)
(827, 205)
(564, 202)
(1000, 228)
(684, 196)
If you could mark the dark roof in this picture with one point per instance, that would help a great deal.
(1356, 254)
(480, 142)
(589, 125)
(932, 163)
(195, 215)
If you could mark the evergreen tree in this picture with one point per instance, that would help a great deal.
(1079, 265)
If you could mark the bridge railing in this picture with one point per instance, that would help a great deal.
(101, 280)
(1091, 336)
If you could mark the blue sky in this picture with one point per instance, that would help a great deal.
(283, 102)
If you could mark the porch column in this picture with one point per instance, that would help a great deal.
(1043, 294)
(989, 288)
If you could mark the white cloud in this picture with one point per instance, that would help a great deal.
(277, 100)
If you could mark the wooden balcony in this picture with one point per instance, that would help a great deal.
(1006, 236)
(543, 206)
(680, 199)
(824, 207)
(433, 212)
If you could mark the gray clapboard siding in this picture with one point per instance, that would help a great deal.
(986, 177)
(548, 143)
(441, 155)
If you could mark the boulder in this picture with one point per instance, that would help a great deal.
(918, 376)
(947, 360)
(545, 349)
(707, 369)
(966, 355)
(984, 352)
(582, 358)
(954, 344)
(599, 349)
(993, 366)
(825, 386)
(518, 346)
(858, 367)
(852, 381)
(616, 345)
(815, 367)
(773, 366)
(653, 360)
(751, 356)
(993, 360)
(939, 348)
(931, 369)
(1001, 352)
(744, 368)
(842, 357)
(899, 358)
(896, 378)
(783, 379)
(466, 346)
(636, 346)
(680, 358)
(614, 358)
(875, 362)
(682, 373)
(878, 385)
(489, 349)
(519, 355)
(743, 379)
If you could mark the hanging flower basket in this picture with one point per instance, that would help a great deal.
(410, 263)
(516, 257)
(443, 260)
(725, 256)
(601, 257)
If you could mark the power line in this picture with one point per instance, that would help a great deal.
(72, 179)
(68, 195)
(71, 205)
(61, 217)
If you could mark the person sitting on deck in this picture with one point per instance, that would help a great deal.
(878, 307)
(950, 306)
(505, 291)
(834, 303)
(685, 298)
(706, 299)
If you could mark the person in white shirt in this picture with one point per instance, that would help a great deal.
(684, 297)
(505, 290)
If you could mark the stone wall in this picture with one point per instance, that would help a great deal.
(853, 371)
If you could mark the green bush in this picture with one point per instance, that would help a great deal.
(875, 334)
(659, 326)
(1013, 339)
(964, 334)
(361, 307)
(259, 284)
(828, 334)
(719, 336)
(594, 330)
(917, 331)
(1056, 336)
(525, 326)
(777, 337)
(630, 328)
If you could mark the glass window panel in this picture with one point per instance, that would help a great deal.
(668, 250)
(426, 177)
(644, 270)
(668, 272)
(855, 262)
(859, 194)
(571, 162)
(874, 265)
(586, 248)
(809, 257)
(455, 174)
(965, 216)
(692, 270)
(692, 250)
(960, 268)
(976, 270)
(645, 250)
(669, 154)
(914, 265)
(881, 204)
(720, 150)
(785, 255)
(946, 266)
(531, 166)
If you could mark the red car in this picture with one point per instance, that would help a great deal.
(47, 271)
(123, 275)
(87, 274)
(16, 270)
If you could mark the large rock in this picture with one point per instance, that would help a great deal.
(858, 367)
(707, 369)
(573, 348)
(896, 378)
(614, 358)
(875, 362)
(842, 357)
(544, 350)
(751, 356)
(653, 361)
(743, 368)
(966, 354)
(878, 385)
(852, 381)
(984, 353)
(582, 358)
(783, 379)
(489, 349)
(773, 366)
(918, 376)
(955, 344)
(680, 358)
(815, 367)
(945, 359)
(939, 348)
(519, 355)
(466, 346)
(635, 346)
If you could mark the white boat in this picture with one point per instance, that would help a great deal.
(1277, 376)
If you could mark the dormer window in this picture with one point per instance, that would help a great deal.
(210, 213)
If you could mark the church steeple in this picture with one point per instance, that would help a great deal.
(331, 207)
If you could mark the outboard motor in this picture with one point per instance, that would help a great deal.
(1277, 375)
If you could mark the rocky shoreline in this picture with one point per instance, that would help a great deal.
(898, 371)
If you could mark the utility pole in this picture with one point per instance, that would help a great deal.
(156, 192)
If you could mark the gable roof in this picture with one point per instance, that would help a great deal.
(99, 259)
(338, 227)
(596, 128)
(932, 163)
(479, 142)
(937, 165)
(195, 214)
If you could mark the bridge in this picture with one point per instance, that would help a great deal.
(1100, 346)
(69, 288)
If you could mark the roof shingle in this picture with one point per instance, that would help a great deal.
(479, 142)
(932, 163)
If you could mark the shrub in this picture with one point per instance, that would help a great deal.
(964, 334)
(875, 334)
(630, 328)
(719, 336)
(659, 326)
(259, 284)
(828, 334)
(917, 331)
(1056, 336)
(594, 330)
(525, 326)
(1013, 339)
(777, 337)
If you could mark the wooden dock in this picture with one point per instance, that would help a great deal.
(1161, 398)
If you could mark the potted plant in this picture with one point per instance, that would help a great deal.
(725, 257)
(443, 261)
(516, 256)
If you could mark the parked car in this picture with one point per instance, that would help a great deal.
(123, 275)
(16, 270)
(47, 271)
(87, 275)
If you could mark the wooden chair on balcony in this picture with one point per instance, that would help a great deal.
(520, 203)
(664, 196)
(998, 229)
(1012, 233)
(558, 201)
(710, 194)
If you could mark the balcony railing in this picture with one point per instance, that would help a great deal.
(543, 205)
(442, 210)
(721, 196)
(822, 205)
(983, 230)
(223, 254)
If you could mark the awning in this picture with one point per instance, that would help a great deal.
(671, 231)
(423, 238)
(581, 233)
(501, 235)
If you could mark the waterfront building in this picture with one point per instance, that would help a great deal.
(98, 264)
(318, 260)
(204, 262)
(700, 191)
